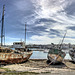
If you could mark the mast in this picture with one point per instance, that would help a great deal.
(25, 35)
(63, 39)
(4, 37)
(2, 26)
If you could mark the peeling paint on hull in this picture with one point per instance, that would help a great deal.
(14, 57)
(54, 58)
(15, 60)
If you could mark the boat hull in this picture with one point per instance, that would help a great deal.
(55, 58)
(72, 54)
(14, 57)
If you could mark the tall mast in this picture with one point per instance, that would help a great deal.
(4, 37)
(25, 35)
(2, 26)
(63, 39)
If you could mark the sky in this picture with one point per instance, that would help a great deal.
(46, 20)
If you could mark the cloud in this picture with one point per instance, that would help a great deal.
(43, 39)
(47, 8)
(53, 15)
(70, 9)
(71, 27)
(46, 19)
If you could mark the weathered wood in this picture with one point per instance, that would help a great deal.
(12, 56)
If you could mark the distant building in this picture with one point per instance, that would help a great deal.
(18, 45)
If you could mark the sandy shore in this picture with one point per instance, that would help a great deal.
(41, 67)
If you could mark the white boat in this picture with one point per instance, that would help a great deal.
(46, 50)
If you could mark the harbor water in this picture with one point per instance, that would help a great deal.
(38, 55)
(42, 55)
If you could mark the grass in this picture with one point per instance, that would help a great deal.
(6, 69)
(20, 73)
(9, 72)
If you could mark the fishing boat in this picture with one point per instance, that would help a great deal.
(56, 55)
(8, 55)
(72, 54)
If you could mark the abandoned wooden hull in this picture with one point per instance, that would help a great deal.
(14, 57)
(56, 55)
(72, 54)
(54, 58)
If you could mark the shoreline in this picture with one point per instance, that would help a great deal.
(40, 66)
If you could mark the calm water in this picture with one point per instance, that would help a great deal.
(38, 55)
(42, 55)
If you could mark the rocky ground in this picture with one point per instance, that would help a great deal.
(41, 67)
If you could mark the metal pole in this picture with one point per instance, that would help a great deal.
(25, 35)
(63, 39)
(2, 26)
(4, 37)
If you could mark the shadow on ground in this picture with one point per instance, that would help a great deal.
(56, 65)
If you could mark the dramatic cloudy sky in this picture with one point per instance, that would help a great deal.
(47, 20)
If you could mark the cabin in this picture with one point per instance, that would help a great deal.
(18, 45)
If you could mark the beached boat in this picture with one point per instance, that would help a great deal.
(55, 55)
(8, 55)
(72, 54)
(13, 56)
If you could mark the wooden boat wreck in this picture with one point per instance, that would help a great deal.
(56, 55)
(72, 54)
(13, 56)
(8, 55)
